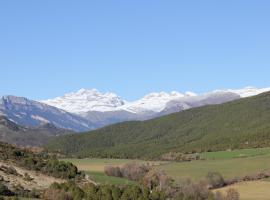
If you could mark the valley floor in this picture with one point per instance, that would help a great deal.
(230, 164)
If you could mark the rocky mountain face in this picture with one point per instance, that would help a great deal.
(13, 133)
(217, 97)
(32, 113)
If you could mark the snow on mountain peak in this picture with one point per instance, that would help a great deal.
(154, 102)
(190, 94)
(85, 100)
(248, 91)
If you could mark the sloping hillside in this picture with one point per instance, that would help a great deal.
(31, 113)
(237, 124)
(25, 173)
(13, 133)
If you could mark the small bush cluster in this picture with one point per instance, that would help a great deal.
(157, 179)
(180, 157)
(70, 191)
(215, 180)
(253, 177)
(131, 171)
(27, 177)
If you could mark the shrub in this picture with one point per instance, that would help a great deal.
(69, 188)
(54, 194)
(191, 191)
(134, 171)
(113, 171)
(215, 180)
(180, 157)
(131, 171)
(27, 177)
(157, 179)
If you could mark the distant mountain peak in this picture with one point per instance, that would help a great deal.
(248, 91)
(85, 100)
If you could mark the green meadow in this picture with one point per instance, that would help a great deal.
(230, 164)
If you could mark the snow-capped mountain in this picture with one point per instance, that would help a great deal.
(86, 100)
(155, 102)
(249, 91)
(216, 97)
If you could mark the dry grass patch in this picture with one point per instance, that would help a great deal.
(256, 190)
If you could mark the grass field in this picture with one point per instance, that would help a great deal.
(95, 164)
(95, 169)
(98, 165)
(229, 163)
(242, 153)
(256, 190)
(229, 168)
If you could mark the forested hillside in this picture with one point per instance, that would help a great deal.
(239, 124)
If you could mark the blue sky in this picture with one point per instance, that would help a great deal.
(48, 48)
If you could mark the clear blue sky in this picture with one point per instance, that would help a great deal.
(51, 47)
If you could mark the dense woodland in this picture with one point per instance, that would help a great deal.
(242, 123)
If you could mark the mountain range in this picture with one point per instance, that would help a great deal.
(90, 109)
(242, 123)
(109, 108)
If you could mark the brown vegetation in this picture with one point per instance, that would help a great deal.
(180, 157)
(131, 171)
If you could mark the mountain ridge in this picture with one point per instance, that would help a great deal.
(32, 113)
(90, 109)
(84, 100)
(16, 134)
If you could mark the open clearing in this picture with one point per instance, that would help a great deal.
(256, 190)
(98, 165)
